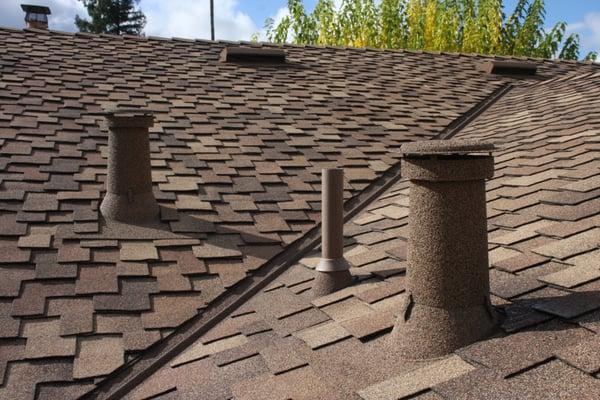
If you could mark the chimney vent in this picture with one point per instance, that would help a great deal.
(129, 196)
(448, 297)
(36, 17)
(332, 273)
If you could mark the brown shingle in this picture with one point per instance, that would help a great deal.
(40, 202)
(347, 310)
(573, 276)
(584, 355)
(73, 253)
(209, 250)
(35, 241)
(12, 254)
(507, 285)
(169, 311)
(187, 202)
(97, 279)
(322, 335)
(284, 355)
(138, 251)
(11, 226)
(570, 305)
(97, 356)
(572, 245)
(270, 223)
(76, 314)
(520, 262)
(169, 278)
(44, 340)
(369, 324)
(525, 348)
(200, 350)
(418, 380)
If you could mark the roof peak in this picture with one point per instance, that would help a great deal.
(292, 45)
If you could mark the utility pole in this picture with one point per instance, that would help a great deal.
(212, 20)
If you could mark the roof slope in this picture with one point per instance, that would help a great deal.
(236, 153)
(544, 234)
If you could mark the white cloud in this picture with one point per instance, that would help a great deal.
(62, 15)
(279, 15)
(589, 31)
(191, 19)
(172, 18)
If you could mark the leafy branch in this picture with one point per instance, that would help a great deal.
(472, 26)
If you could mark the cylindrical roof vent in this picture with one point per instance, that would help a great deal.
(332, 273)
(129, 196)
(448, 297)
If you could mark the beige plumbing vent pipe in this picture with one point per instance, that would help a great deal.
(129, 196)
(448, 296)
(332, 273)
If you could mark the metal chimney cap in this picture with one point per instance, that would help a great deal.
(452, 146)
(122, 117)
(32, 8)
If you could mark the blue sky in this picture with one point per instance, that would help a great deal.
(240, 19)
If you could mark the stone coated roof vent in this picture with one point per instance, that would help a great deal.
(129, 197)
(36, 16)
(253, 55)
(448, 303)
(509, 68)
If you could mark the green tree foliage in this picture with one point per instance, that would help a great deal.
(112, 16)
(471, 26)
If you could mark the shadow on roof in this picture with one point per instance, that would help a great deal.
(573, 305)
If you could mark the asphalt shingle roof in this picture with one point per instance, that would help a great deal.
(544, 241)
(236, 153)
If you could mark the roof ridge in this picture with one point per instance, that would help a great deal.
(471, 115)
(569, 77)
(293, 45)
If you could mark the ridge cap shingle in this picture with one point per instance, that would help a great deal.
(312, 46)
